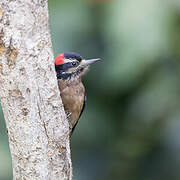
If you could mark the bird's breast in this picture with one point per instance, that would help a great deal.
(72, 95)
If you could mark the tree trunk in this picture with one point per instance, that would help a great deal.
(36, 123)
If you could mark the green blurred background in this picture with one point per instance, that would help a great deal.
(130, 129)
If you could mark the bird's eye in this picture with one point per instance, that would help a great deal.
(74, 63)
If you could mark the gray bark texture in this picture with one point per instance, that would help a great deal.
(36, 122)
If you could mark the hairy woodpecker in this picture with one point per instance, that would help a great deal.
(70, 67)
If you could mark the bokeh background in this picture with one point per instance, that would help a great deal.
(130, 129)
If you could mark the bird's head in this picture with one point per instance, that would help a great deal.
(71, 65)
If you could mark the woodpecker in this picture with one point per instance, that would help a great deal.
(70, 68)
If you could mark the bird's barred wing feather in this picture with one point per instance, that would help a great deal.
(80, 113)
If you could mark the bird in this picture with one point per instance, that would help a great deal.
(70, 68)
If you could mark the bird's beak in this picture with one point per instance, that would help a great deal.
(89, 61)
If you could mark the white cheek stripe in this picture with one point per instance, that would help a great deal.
(74, 60)
(69, 60)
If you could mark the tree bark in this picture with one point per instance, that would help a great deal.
(36, 123)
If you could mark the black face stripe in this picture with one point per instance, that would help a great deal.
(64, 67)
(73, 55)
(62, 75)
